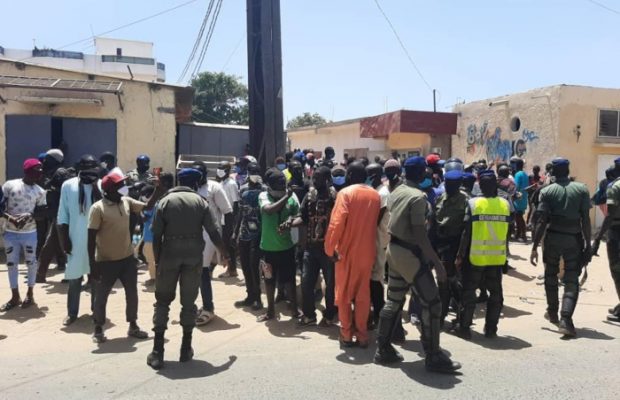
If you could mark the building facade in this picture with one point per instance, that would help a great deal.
(406, 133)
(576, 122)
(81, 113)
(128, 59)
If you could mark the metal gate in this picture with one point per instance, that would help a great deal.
(26, 137)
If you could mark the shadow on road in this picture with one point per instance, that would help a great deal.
(357, 356)
(511, 312)
(499, 342)
(218, 324)
(285, 329)
(22, 315)
(416, 371)
(118, 345)
(85, 325)
(582, 333)
(520, 275)
(193, 369)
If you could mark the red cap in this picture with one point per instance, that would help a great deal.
(31, 163)
(432, 159)
(110, 180)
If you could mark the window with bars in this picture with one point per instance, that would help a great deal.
(609, 123)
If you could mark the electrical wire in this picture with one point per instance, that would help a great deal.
(123, 26)
(131, 23)
(203, 52)
(199, 38)
(402, 45)
(233, 52)
(603, 6)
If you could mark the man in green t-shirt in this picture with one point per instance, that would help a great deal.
(277, 204)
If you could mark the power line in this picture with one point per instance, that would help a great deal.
(131, 23)
(205, 46)
(233, 52)
(199, 38)
(603, 6)
(402, 45)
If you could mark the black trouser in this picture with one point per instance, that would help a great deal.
(377, 298)
(613, 254)
(50, 250)
(567, 247)
(492, 277)
(186, 269)
(451, 289)
(249, 255)
(521, 227)
(42, 229)
(316, 261)
(108, 273)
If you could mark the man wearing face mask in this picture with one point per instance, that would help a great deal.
(242, 169)
(393, 171)
(409, 254)
(213, 192)
(482, 254)
(231, 189)
(350, 242)
(111, 253)
(277, 205)
(300, 185)
(280, 164)
(77, 195)
(51, 248)
(50, 162)
(25, 204)
(107, 161)
(469, 180)
(339, 177)
(375, 174)
(247, 234)
(449, 226)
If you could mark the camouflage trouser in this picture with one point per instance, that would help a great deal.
(613, 254)
(567, 247)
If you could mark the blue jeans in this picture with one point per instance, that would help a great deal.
(73, 297)
(14, 243)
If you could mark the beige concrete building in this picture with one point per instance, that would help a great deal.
(404, 132)
(44, 107)
(576, 122)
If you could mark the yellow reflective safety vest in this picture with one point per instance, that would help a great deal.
(490, 218)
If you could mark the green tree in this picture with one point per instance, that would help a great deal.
(306, 119)
(220, 98)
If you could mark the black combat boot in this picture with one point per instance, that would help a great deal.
(156, 359)
(614, 314)
(386, 353)
(187, 353)
(439, 361)
(569, 302)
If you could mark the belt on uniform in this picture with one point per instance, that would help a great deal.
(562, 233)
(183, 237)
(414, 248)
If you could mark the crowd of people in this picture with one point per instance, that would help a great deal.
(346, 229)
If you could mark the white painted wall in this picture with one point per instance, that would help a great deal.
(93, 64)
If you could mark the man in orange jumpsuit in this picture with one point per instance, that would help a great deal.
(350, 241)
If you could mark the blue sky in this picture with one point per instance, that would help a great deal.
(340, 57)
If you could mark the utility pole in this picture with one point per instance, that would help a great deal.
(267, 139)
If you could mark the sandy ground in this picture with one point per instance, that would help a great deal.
(237, 357)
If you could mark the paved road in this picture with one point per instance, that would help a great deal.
(239, 358)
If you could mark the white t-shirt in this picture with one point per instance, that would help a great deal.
(231, 189)
(218, 202)
(22, 199)
(383, 236)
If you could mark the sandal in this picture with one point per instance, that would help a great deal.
(9, 305)
(265, 317)
(28, 301)
(228, 274)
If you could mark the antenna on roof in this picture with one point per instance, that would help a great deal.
(130, 73)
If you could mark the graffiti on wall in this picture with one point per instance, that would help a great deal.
(494, 145)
